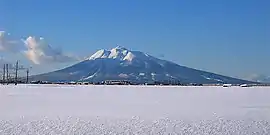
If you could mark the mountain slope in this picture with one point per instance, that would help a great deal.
(122, 64)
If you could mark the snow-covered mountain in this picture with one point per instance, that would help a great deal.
(120, 63)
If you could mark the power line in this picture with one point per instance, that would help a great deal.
(10, 73)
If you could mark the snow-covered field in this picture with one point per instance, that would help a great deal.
(60, 109)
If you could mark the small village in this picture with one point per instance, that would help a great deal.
(126, 82)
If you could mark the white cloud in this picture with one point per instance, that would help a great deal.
(39, 52)
(7, 44)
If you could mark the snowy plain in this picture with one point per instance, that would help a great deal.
(70, 109)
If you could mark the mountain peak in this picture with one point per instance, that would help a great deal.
(120, 47)
(119, 52)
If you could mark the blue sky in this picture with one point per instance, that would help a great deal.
(229, 37)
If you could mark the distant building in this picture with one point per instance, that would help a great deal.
(245, 85)
(117, 82)
(72, 83)
(85, 83)
(227, 85)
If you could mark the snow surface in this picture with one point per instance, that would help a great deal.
(208, 78)
(64, 109)
(119, 53)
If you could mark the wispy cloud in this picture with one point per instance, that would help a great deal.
(3, 61)
(258, 78)
(7, 43)
(40, 52)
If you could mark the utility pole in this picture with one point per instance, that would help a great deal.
(16, 72)
(27, 74)
(7, 73)
(4, 73)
